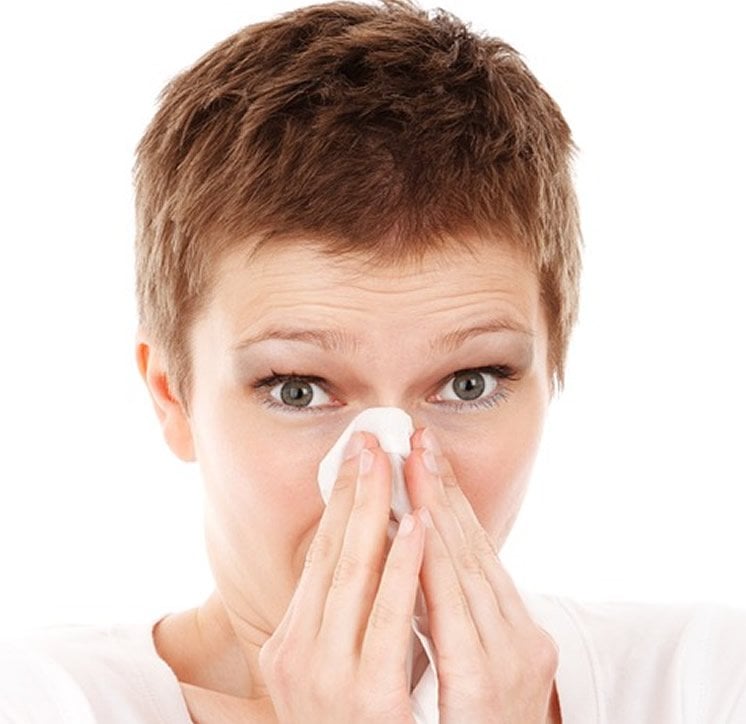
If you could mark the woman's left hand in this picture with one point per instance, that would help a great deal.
(494, 663)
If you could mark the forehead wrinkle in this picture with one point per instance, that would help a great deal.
(453, 340)
(330, 340)
(340, 341)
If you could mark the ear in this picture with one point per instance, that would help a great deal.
(174, 421)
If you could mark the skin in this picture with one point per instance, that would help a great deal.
(259, 464)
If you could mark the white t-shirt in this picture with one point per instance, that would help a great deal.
(620, 663)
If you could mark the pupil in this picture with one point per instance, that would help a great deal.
(470, 384)
(292, 392)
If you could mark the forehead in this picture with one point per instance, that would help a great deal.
(294, 278)
(303, 264)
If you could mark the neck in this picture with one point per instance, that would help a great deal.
(209, 648)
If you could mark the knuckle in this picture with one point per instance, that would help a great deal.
(446, 474)
(469, 562)
(441, 558)
(320, 549)
(360, 504)
(396, 566)
(454, 601)
(382, 616)
(481, 543)
(472, 677)
(441, 506)
(459, 604)
(349, 568)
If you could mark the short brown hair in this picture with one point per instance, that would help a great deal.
(381, 129)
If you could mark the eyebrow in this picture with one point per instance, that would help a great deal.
(335, 340)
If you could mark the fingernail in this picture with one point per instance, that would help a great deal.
(429, 442)
(430, 463)
(406, 526)
(366, 462)
(354, 445)
(424, 515)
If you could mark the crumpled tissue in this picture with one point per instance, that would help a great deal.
(393, 427)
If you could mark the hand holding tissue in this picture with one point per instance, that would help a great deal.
(494, 663)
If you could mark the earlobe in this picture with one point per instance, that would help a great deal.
(174, 421)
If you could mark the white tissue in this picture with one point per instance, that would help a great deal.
(393, 427)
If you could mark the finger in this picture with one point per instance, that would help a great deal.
(306, 609)
(361, 561)
(479, 596)
(450, 618)
(509, 599)
(477, 539)
(388, 633)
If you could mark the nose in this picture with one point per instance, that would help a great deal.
(417, 422)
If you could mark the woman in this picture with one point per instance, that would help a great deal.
(348, 207)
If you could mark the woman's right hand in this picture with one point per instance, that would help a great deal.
(340, 652)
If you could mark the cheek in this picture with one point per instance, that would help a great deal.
(258, 480)
(493, 468)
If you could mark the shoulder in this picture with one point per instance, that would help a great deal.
(647, 661)
(87, 674)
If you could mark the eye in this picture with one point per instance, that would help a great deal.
(299, 392)
(481, 387)
(292, 392)
(469, 385)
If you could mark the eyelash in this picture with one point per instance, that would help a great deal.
(502, 392)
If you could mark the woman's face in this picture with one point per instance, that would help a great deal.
(355, 338)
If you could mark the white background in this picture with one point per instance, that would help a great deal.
(640, 487)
